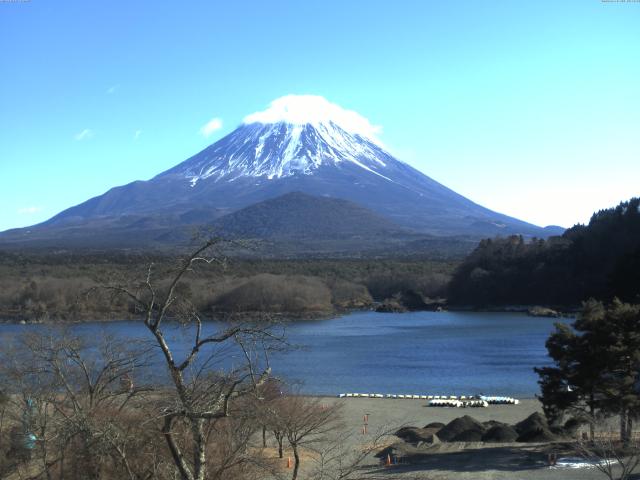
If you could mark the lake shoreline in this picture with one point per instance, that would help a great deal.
(562, 312)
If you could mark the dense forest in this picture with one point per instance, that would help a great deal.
(62, 287)
(600, 260)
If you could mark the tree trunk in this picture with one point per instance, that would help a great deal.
(199, 454)
(176, 453)
(43, 453)
(592, 413)
(623, 426)
(296, 463)
(279, 439)
(89, 463)
(264, 437)
(62, 462)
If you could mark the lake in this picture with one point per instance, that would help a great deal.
(434, 353)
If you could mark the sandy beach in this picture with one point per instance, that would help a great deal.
(396, 412)
(459, 460)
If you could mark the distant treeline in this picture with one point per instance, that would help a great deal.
(600, 260)
(63, 287)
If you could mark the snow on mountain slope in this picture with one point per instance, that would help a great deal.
(297, 134)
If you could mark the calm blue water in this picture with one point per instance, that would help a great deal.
(417, 353)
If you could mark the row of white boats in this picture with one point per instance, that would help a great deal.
(458, 403)
(442, 400)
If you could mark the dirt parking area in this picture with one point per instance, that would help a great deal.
(457, 460)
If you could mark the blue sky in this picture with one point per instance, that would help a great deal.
(529, 108)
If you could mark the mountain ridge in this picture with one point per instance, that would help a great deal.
(282, 153)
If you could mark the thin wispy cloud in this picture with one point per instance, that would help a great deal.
(136, 134)
(211, 126)
(112, 89)
(29, 210)
(85, 134)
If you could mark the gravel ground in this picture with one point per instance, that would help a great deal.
(459, 461)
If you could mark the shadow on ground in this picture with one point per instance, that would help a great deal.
(511, 459)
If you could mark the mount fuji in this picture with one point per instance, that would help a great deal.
(301, 143)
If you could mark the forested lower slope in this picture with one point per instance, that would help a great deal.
(599, 260)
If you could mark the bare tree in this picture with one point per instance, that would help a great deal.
(4, 404)
(344, 456)
(272, 415)
(71, 408)
(268, 411)
(203, 387)
(306, 422)
(615, 459)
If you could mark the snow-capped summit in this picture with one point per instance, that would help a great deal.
(315, 110)
(296, 135)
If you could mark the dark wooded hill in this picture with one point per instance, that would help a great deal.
(599, 260)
